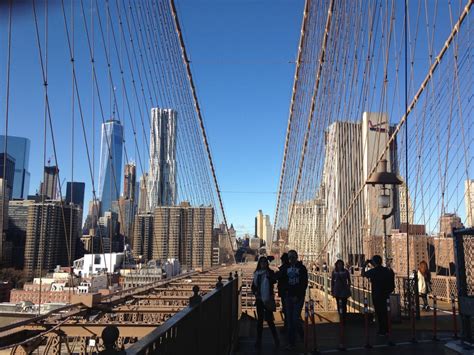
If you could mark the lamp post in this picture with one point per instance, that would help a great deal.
(383, 178)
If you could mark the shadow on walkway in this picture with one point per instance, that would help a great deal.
(328, 337)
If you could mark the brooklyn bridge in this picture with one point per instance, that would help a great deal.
(376, 160)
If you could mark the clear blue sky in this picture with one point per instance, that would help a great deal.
(242, 55)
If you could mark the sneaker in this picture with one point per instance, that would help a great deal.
(290, 347)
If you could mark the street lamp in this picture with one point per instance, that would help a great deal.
(383, 178)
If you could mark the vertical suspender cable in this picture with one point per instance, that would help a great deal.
(71, 209)
(5, 150)
(406, 139)
(291, 115)
(313, 105)
(198, 111)
(432, 69)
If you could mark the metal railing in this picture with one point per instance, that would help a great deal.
(443, 287)
(207, 326)
(464, 256)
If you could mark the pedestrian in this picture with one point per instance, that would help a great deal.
(282, 286)
(382, 280)
(110, 334)
(297, 284)
(325, 267)
(424, 283)
(262, 288)
(341, 287)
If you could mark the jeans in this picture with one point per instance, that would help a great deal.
(341, 307)
(264, 314)
(424, 297)
(294, 306)
(380, 305)
(283, 308)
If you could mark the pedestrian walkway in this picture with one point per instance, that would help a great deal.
(328, 337)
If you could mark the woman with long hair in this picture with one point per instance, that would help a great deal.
(424, 283)
(262, 288)
(341, 287)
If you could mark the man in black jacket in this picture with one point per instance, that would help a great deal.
(297, 283)
(383, 284)
(282, 279)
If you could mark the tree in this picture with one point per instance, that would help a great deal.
(16, 277)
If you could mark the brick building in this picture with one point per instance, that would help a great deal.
(373, 245)
(443, 252)
(448, 222)
(418, 243)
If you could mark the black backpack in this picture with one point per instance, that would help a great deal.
(390, 281)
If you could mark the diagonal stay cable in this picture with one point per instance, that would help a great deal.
(291, 114)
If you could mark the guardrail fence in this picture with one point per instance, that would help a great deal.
(207, 326)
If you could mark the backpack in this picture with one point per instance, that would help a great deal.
(390, 281)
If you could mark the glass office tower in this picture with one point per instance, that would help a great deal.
(19, 149)
(110, 169)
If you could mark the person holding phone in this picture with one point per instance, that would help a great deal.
(382, 280)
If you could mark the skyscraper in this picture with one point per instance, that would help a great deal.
(9, 171)
(19, 149)
(183, 232)
(168, 233)
(162, 174)
(469, 201)
(143, 195)
(198, 224)
(375, 136)
(352, 151)
(48, 238)
(143, 241)
(267, 232)
(342, 177)
(125, 210)
(17, 225)
(75, 193)
(259, 221)
(402, 191)
(129, 181)
(110, 169)
(49, 186)
(307, 229)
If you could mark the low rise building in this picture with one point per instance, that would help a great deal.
(141, 275)
(58, 287)
(171, 267)
(93, 264)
